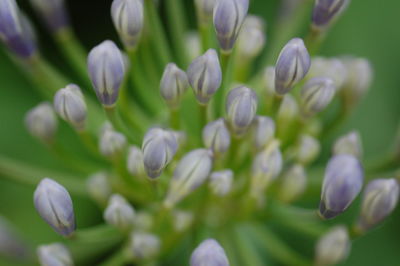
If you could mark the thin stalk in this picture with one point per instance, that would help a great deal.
(115, 119)
(174, 118)
(204, 30)
(225, 60)
(313, 40)
(246, 248)
(90, 143)
(203, 110)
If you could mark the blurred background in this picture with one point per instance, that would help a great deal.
(369, 28)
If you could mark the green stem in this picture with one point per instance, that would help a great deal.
(174, 118)
(246, 248)
(118, 124)
(117, 259)
(204, 30)
(314, 40)
(203, 115)
(226, 67)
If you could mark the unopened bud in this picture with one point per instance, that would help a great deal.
(221, 182)
(308, 148)
(288, 111)
(55, 254)
(182, 220)
(293, 184)
(316, 94)
(54, 205)
(143, 221)
(11, 243)
(144, 246)
(216, 136)
(135, 162)
(204, 9)
(333, 247)
(252, 38)
(119, 213)
(264, 131)
(99, 187)
(192, 40)
(41, 121)
(326, 11)
(332, 68)
(174, 83)
(112, 143)
(269, 81)
(349, 144)
(209, 253)
(53, 13)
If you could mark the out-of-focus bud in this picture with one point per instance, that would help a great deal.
(70, 105)
(135, 162)
(191, 171)
(53, 203)
(128, 17)
(182, 220)
(204, 9)
(333, 247)
(144, 246)
(221, 182)
(143, 221)
(342, 182)
(53, 13)
(228, 19)
(288, 111)
(210, 253)
(264, 131)
(379, 200)
(55, 254)
(269, 80)
(112, 143)
(11, 244)
(192, 39)
(332, 68)
(307, 150)
(159, 147)
(293, 183)
(316, 94)
(205, 76)
(349, 144)
(292, 66)
(252, 38)
(326, 11)
(41, 121)
(216, 136)
(181, 138)
(106, 70)
(241, 107)
(119, 213)
(99, 187)
(173, 85)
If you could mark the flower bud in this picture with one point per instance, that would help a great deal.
(174, 84)
(54, 205)
(182, 220)
(11, 244)
(264, 131)
(269, 80)
(112, 143)
(192, 40)
(191, 171)
(70, 105)
(106, 70)
(159, 147)
(209, 253)
(216, 136)
(41, 121)
(326, 11)
(330, 68)
(342, 183)
(307, 149)
(316, 95)
(119, 213)
(293, 183)
(135, 162)
(99, 187)
(128, 17)
(241, 107)
(55, 254)
(228, 19)
(53, 13)
(144, 246)
(252, 38)
(292, 65)
(288, 110)
(205, 76)
(204, 9)
(221, 182)
(349, 144)
(379, 200)
(333, 247)
(143, 221)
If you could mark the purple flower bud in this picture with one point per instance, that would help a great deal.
(209, 253)
(326, 11)
(119, 213)
(135, 162)
(55, 254)
(316, 95)
(264, 131)
(252, 38)
(41, 121)
(216, 136)
(112, 143)
(221, 182)
(342, 182)
(174, 83)
(333, 247)
(53, 13)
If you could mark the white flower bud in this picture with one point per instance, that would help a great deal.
(174, 83)
(192, 40)
(41, 122)
(221, 182)
(55, 254)
(264, 131)
(112, 143)
(209, 253)
(252, 38)
(204, 9)
(333, 247)
(144, 246)
(332, 68)
(99, 187)
(143, 221)
(307, 149)
(119, 213)
(293, 183)
(135, 162)
(216, 136)
(182, 220)
(349, 144)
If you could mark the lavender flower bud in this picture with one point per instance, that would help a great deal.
(241, 108)
(135, 162)
(55, 254)
(54, 205)
(252, 38)
(331, 68)
(106, 70)
(333, 247)
(349, 144)
(264, 131)
(11, 244)
(209, 253)
(205, 76)
(326, 11)
(41, 122)
(191, 171)
(216, 136)
(292, 66)
(204, 9)
(380, 199)
(307, 149)
(316, 95)
(70, 105)
(99, 187)
(221, 182)
(228, 19)
(173, 85)
(144, 246)
(293, 184)
(182, 220)
(112, 143)
(119, 213)
(159, 147)
(128, 18)
(53, 13)
(342, 183)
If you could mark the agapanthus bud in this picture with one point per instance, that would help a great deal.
(159, 147)
(144, 245)
(288, 110)
(216, 136)
(182, 220)
(307, 150)
(293, 183)
(99, 187)
(332, 68)
(112, 143)
(292, 65)
(228, 19)
(333, 247)
(205, 76)
(55, 254)
(349, 144)
(128, 17)
(144, 221)
(119, 212)
(241, 107)
(192, 40)
(379, 200)
(316, 94)
(53, 13)
(221, 182)
(53, 203)
(135, 162)
(342, 182)
(191, 171)
(173, 85)
(11, 243)
(70, 105)
(41, 121)
(264, 131)
(209, 253)
(326, 11)
(204, 9)
(252, 38)
(106, 70)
